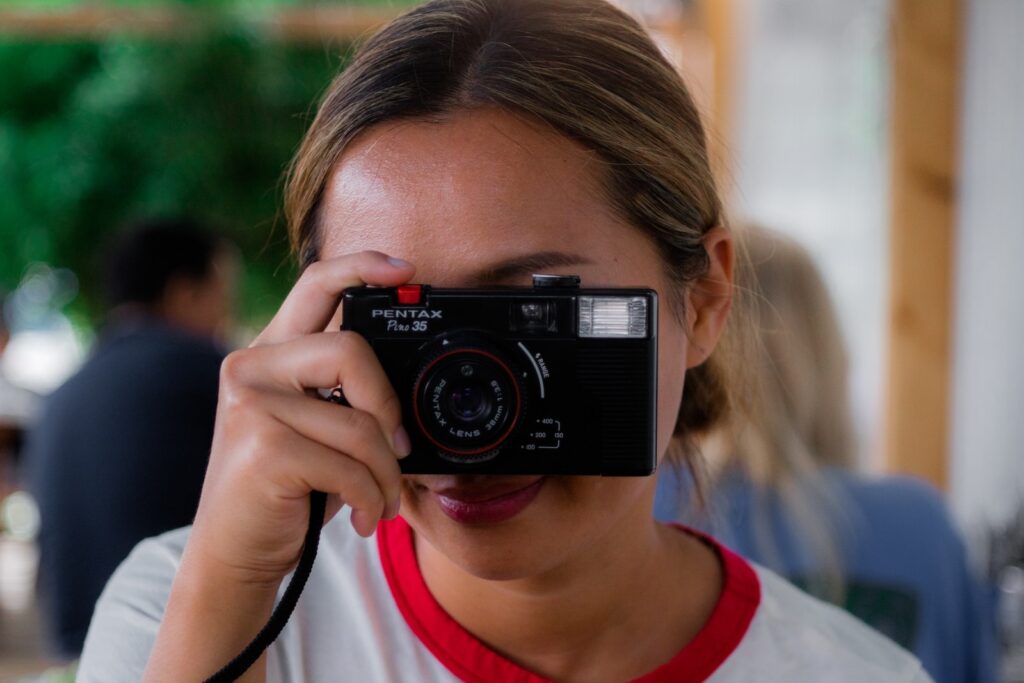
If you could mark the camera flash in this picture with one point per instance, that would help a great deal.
(612, 316)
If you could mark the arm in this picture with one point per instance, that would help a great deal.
(273, 444)
(128, 613)
(230, 609)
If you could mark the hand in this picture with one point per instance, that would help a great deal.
(275, 441)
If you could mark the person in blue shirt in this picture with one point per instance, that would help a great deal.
(781, 486)
(120, 450)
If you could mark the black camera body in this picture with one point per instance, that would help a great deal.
(549, 379)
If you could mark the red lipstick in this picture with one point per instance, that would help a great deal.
(489, 503)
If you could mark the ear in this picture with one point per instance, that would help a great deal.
(709, 298)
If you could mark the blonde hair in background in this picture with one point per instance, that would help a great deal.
(803, 407)
(582, 67)
(798, 419)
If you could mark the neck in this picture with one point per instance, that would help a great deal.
(607, 614)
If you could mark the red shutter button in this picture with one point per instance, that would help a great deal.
(410, 295)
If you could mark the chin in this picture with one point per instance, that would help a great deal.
(496, 555)
(527, 545)
(565, 516)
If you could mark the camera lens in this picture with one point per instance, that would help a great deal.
(467, 402)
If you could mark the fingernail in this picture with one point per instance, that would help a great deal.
(361, 523)
(398, 263)
(402, 444)
(391, 511)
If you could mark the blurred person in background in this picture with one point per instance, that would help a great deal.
(783, 490)
(120, 450)
(18, 407)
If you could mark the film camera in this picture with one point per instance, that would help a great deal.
(549, 379)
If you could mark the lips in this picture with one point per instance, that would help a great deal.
(487, 501)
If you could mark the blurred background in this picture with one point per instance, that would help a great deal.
(885, 136)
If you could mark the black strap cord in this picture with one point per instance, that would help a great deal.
(247, 657)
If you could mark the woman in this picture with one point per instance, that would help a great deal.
(786, 491)
(475, 142)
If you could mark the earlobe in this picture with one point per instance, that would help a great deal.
(709, 298)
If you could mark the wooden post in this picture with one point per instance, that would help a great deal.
(89, 22)
(312, 23)
(925, 99)
(719, 21)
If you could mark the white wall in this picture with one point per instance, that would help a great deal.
(987, 464)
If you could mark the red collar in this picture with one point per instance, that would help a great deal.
(474, 662)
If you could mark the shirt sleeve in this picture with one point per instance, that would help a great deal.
(129, 611)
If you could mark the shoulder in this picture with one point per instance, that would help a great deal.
(186, 350)
(129, 611)
(796, 635)
(901, 492)
(143, 343)
(899, 505)
(345, 621)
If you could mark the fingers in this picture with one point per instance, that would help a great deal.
(305, 444)
(315, 467)
(348, 431)
(314, 298)
(327, 359)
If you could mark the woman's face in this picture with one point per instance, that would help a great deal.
(487, 198)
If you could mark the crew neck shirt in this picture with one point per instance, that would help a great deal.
(367, 615)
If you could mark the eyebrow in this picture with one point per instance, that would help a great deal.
(510, 269)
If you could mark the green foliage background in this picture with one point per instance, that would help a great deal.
(93, 134)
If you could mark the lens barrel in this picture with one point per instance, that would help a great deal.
(467, 402)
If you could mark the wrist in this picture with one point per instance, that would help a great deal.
(207, 555)
(213, 612)
(203, 572)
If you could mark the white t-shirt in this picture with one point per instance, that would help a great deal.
(366, 615)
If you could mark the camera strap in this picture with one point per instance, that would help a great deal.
(234, 669)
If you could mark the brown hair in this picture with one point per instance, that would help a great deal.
(581, 66)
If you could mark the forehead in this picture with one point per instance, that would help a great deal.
(474, 189)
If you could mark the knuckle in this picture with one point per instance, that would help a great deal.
(373, 497)
(393, 489)
(260, 447)
(237, 397)
(389, 406)
(362, 424)
(314, 272)
(244, 456)
(347, 342)
(234, 367)
(367, 257)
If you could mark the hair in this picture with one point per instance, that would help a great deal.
(150, 253)
(802, 418)
(799, 418)
(582, 67)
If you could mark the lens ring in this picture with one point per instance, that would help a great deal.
(473, 435)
